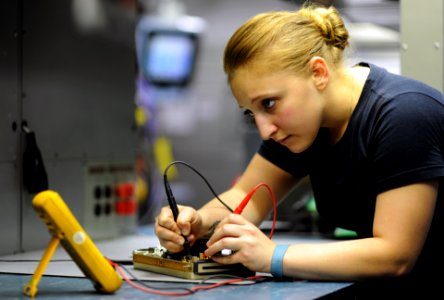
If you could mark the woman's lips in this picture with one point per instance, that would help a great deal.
(283, 140)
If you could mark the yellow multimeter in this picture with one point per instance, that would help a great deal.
(65, 229)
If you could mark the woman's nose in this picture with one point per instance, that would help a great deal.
(265, 126)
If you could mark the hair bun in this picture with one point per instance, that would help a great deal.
(330, 25)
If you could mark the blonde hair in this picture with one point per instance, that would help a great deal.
(287, 40)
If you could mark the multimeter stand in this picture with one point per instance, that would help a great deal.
(30, 289)
(67, 231)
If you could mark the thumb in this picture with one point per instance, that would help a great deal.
(186, 218)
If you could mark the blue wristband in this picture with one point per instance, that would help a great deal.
(277, 261)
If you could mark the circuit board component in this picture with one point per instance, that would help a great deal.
(189, 266)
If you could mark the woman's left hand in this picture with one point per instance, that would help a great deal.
(250, 246)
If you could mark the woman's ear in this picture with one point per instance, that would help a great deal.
(320, 73)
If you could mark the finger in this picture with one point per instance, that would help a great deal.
(192, 239)
(186, 217)
(165, 234)
(227, 237)
(225, 243)
(233, 219)
(232, 230)
(224, 230)
(165, 219)
(171, 246)
(169, 239)
(226, 259)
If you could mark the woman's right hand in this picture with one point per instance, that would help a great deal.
(171, 234)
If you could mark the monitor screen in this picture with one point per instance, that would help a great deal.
(168, 57)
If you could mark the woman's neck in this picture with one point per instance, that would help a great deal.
(343, 96)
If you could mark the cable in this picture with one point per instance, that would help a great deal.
(238, 209)
(198, 173)
(141, 282)
(171, 290)
(247, 199)
(161, 291)
(256, 280)
(121, 272)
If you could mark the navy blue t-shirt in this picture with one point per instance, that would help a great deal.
(395, 137)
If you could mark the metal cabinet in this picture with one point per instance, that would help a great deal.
(66, 69)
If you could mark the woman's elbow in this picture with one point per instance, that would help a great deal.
(401, 267)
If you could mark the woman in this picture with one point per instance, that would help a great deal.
(371, 142)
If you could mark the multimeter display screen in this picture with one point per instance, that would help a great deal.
(169, 57)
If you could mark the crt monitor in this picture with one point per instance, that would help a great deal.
(168, 57)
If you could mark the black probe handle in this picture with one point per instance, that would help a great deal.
(171, 201)
(173, 206)
(175, 210)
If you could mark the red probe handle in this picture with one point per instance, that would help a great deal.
(244, 202)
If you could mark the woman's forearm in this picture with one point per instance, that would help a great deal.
(344, 260)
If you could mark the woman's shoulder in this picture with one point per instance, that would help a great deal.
(390, 85)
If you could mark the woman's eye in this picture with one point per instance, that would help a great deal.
(249, 117)
(268, 103)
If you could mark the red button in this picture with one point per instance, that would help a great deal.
(127, 207)
(124, 190)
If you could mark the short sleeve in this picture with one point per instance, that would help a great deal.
(408, 141)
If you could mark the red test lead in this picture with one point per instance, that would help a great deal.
(247, 198)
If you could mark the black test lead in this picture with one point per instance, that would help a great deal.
(172, 200)
(175, 210)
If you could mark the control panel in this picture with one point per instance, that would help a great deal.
(110, 206)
